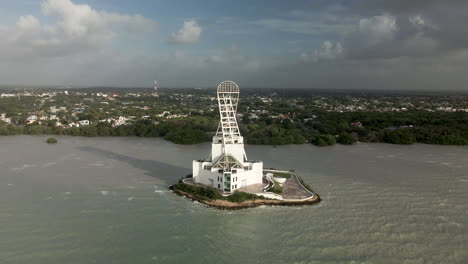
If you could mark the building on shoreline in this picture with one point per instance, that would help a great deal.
(227, 167)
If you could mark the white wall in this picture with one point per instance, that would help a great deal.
(253, 176)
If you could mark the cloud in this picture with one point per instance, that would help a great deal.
(422, 23)
(378, 28)
(27, 23)
(190, 32)
(390, 36)
(79, 28)
(328, 51)
(303, 26)
(416, 20)
(326, 20)
(344, 44)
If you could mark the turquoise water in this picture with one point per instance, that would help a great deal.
(105, 200)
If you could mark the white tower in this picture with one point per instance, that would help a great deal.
(155, 91)
(227, 168)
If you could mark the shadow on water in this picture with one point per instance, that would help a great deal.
(163, 171)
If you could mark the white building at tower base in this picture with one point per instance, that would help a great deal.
(227, 167)
(211, 171)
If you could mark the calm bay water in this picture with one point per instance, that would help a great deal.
(105, 200)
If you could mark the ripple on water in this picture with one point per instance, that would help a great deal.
(401, 209)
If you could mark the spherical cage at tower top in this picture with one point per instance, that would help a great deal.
(228, 87)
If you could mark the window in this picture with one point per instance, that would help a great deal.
(234, 171)
(220, 171)
(219, 186)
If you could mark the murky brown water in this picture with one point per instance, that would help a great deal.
(105, 200)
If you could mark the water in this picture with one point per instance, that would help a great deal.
(105, 200)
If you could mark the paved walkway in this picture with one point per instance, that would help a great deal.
(254, 188)
(292, 189)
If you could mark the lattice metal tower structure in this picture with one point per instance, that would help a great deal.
(227, 167)
(228, 98)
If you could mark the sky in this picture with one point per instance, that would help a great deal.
(321, 44)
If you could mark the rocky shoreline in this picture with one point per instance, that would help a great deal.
(226, 205)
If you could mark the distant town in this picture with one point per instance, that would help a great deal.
(266, 116)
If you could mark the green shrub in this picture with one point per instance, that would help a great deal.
(399, 136)
(347, 138)
(209, 193)
(199, 192)
(324, 140)
(187, 136)
(276, 188)
(239, 197)
(51, 140)
(282, 175)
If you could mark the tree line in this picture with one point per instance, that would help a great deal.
(327, 128)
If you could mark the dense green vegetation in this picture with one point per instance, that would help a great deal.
(181, 131)
(239, 197)
(198, 192)
(327, 129)
(347, 138)
(269, 116)
(51, 140)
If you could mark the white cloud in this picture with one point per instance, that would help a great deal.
(416, 20)
(304, 26)
(381, 37)
(422, 23)
(27, 22)
(189, 33)
(328, 51)
(79, 28)
(378, 28)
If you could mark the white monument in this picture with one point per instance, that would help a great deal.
(155, 90)
(228, 168)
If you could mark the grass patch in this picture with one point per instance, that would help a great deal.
(276, 188)
(285, 175)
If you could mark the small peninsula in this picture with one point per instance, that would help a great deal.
(277, 190)
(227, 179)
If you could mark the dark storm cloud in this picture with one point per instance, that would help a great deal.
(445, 25)
(394, 45)
(403, 6)
(422, 27)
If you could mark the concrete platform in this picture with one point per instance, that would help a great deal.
(293, 189)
